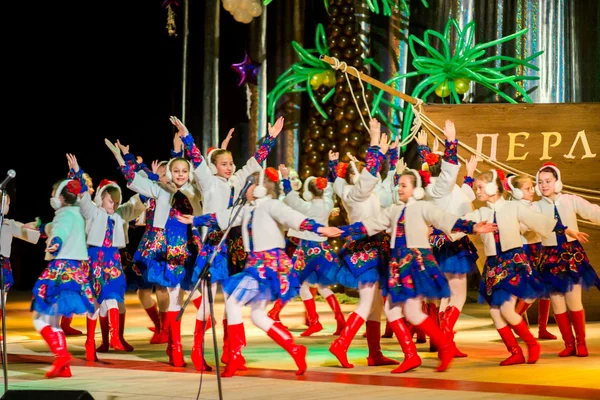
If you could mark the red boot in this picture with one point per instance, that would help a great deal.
(176, 350)
(90, 343)
(512, 346)
(543, 314)
(388, 332)
(444, 346)
(432, 310)
(114, 328)
(277, 307)
(65, 325)
(103, 348)
(58, 345)
(197, 350)
(374, 342)
(225, 354)
(447, 326)
(337, 312)
(564, 325)
(155, 318)
(578, 318)
(314, 325)
(162, 335)
(197, 302)
(339, 347)
(284, 338)
(237, 341)
(533, 347)
(522, 307)
(411, 358)
(126, 345)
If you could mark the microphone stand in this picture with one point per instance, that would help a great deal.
(2, 296)
(206, 276)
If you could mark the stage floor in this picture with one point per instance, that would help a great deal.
(144, 373)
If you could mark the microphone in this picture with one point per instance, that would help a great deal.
(251, 180)
(9, 175)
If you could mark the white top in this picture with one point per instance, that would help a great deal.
(96, 220)
(419, 215)
(360, 201)
(528, 236)
(217, 190)
(317, 209)
(568, 206)
(163, 196)
(270, 218)
(68, 225)
(13, 229)
(509, 217)
(385, 189)
(447, 195)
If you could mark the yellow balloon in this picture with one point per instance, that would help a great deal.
(462, 85)
(329, 78)
(443, 90)
(316, 80)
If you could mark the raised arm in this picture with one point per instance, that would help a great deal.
(191, 150)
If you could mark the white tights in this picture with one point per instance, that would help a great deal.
(412, 309)
(40, 321)
(505, 314)
(103, 308)
(204, 309)
(458, 290)
(570, 300)
(305, 293)
(258, 312)
(370, 302)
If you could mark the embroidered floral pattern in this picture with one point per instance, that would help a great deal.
(393, 157)
(451, 152)
(469, 181)
(264, 149)
(209, 220)
(310, 225)
(7, 271)
(315, 262)
(357, 230)
(423, 151)
(462, 225)
(108, 235)
(287, 186)
(191, 150)
(108, 280)
(373, 160)
(332, 171)
(58, 241)
(128, 172)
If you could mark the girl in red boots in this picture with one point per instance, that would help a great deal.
(107, 223)
(413, 270)
(220, 185)
(314, 260)
(363, 266)
(565, 266)
(175, 245)
(522, 190)
(63, 288)
(268, 274)
(507, 274)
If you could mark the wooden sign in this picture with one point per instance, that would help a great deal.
(525, 136)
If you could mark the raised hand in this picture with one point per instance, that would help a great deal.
(384, 143)
(276, 129)
(436, 145)
(484, 227)
(450, 131)
(155, 165)
(400, 166)
(139, 159)
(185, 219)
(72, 160)
(471, 166)
(396, 143)
(285, 172)
(421, 138)
(124, 149)
(115, 150)
(225, 142)
(582, 237)
(375, 132)
(333, 156)
(182, 131)
(330, 231)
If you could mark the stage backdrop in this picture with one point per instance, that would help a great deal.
(523, 137)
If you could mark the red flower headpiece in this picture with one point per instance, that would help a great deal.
(210, 149)
(501, 175)
(73, 187)
(272, 174)
(105, 182)
(341, 169)
(432, 159)
(425, 177)
(321, 183)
